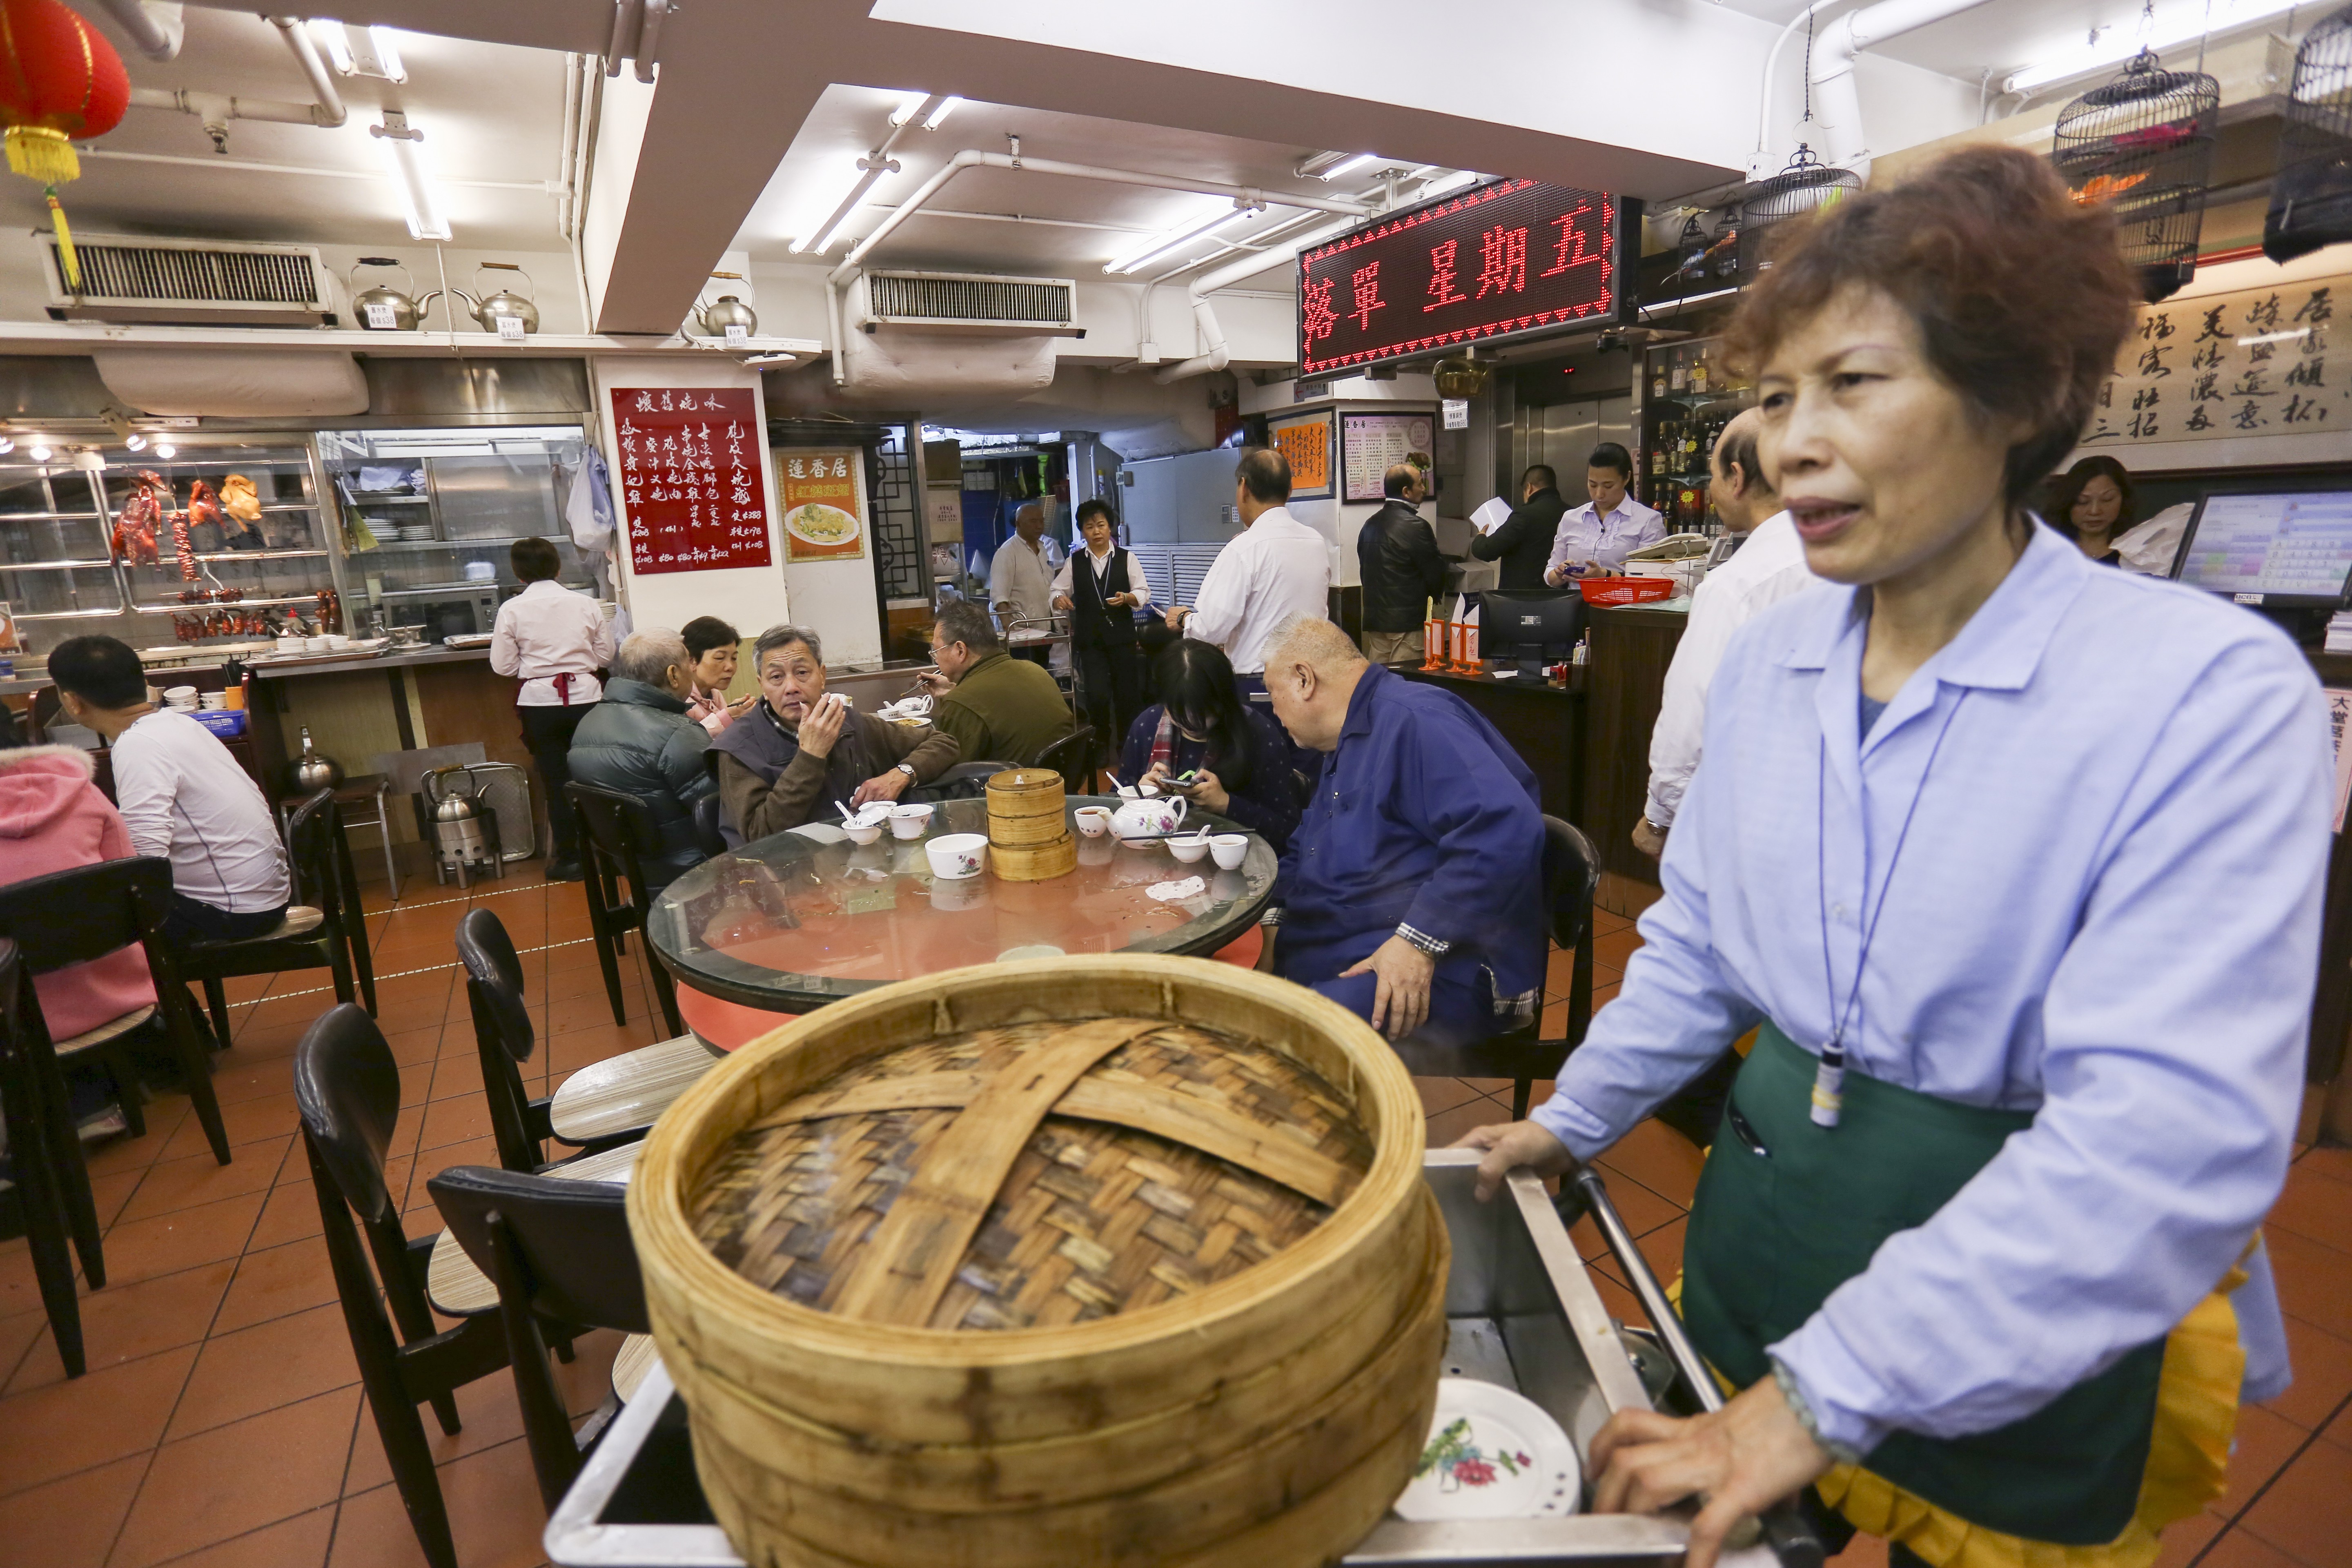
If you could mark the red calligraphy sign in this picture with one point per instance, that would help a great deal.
(685, 476)
(1426, 253)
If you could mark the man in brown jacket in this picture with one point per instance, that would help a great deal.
(799, 749)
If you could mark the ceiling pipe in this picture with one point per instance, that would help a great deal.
(649, 49)
(154, 28)
(1217, 355)
(876, 164)
(1837, 107)
(297, 34)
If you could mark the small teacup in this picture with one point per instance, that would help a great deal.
(1093, 821)
(862, 832)
(1231, 849)
(1188, 851)
(909, 821)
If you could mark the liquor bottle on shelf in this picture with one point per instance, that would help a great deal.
(1678, 376)
(1698, 373)
(1658, 452)
(1658, 378)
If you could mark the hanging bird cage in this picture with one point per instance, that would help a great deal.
(1806, 184)
(1724, 245)
(2142, 146)
(2311, 198)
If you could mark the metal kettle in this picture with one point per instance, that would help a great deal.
(314, 772)
(459, 842)
(379, 306)
(487, 309)
(727, 311)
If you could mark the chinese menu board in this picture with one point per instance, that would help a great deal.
(1306, 444)
(689, 477)
(819, 492)
(1507, 256)
(2252, 363)
(1370, 444)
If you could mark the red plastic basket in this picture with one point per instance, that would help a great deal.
(1624, 590)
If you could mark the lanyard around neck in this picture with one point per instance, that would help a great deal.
(1829, 1078)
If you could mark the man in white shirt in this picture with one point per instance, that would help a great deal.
(1769, 566)
(1595, 538)
(184, 799)
(1022, 573)
(1278, 567)
(553, 640)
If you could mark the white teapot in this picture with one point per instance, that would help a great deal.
(1149, 819)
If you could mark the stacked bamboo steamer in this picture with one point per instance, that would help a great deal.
(953, 1276)
(1029, 838)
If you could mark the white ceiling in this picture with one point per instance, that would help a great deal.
(490, 112)
(1095, 221)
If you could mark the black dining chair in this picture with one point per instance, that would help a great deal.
(52, 1183)
(323, 928)
(347, 1090)
(607, 1103)
(558, 1251)
(1571, 871)
(71, 917)
(1073, 757)
(617, 833)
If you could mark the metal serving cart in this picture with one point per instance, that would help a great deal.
(1520, 1310)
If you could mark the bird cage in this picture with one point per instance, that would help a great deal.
(1724, 246)
(2142, 146)
(1806, 184)
(2311, 198)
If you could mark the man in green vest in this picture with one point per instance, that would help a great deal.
(998, 708)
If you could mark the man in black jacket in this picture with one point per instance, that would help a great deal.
(639, 740)
(1524, 543)
(1396, 554)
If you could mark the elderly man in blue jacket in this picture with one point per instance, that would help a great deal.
(1412, 892)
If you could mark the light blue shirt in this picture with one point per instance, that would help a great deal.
(1586, 535)
(2106, 912)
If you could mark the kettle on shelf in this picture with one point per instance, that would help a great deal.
(501, 302)
(727, 311)
(379, 306)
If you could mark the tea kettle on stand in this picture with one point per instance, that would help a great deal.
(502, 304)
(464, 836)
(727, 311)
(379, 306)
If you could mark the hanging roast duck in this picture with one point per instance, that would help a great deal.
(134, 528)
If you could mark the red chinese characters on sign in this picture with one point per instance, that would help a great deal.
(688, 478)
(1500, 259)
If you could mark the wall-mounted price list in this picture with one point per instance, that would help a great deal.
(687, 473)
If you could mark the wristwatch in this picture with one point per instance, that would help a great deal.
(908, 769)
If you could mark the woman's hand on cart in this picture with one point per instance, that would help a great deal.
(1736, 1462)
(1509, 1146)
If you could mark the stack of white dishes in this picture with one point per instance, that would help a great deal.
(416, 533)
(180, 699)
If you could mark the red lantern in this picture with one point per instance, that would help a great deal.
(58, 79)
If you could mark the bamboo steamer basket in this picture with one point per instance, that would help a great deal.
(1266, 1417)
(1026, 808)
(1039, 864)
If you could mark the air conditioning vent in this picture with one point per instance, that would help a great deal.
(971, 302)
(131, 279)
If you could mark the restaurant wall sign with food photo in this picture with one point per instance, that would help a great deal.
(689, 477)
(822, 518)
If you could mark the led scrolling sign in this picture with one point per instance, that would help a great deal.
(1507, 256)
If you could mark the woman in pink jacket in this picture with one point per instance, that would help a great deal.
(53, 818)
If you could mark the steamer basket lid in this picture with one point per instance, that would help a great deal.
(1032, 1175)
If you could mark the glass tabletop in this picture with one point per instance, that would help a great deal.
(791, 923)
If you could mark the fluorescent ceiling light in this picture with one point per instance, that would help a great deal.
(387, 55)
(7, 446)
(361, 51)
(939, 116)
(166, 449)
(905, 111)
(2174, 26)
(135, 442)
(1346, 166)
(42, 452)
(419, 203)
(1175, 238)
(1452, 181)
(336, 42)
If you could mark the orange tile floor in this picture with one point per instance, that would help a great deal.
(221, 1422)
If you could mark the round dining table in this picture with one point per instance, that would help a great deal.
(802, 919)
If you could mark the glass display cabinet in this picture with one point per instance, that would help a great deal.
(429, 515)
(257, 557)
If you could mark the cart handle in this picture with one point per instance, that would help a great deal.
(1785, 1527)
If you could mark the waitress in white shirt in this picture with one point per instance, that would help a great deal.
(553, 640)
(1100, 588)
(1595, 538)
(2015, 865)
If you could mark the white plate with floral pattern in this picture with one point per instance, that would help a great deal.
(1491, 1454)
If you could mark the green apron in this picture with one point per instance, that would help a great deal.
(1772, 1235)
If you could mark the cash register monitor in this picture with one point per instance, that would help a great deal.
(1533, 628)
(2274, 549)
